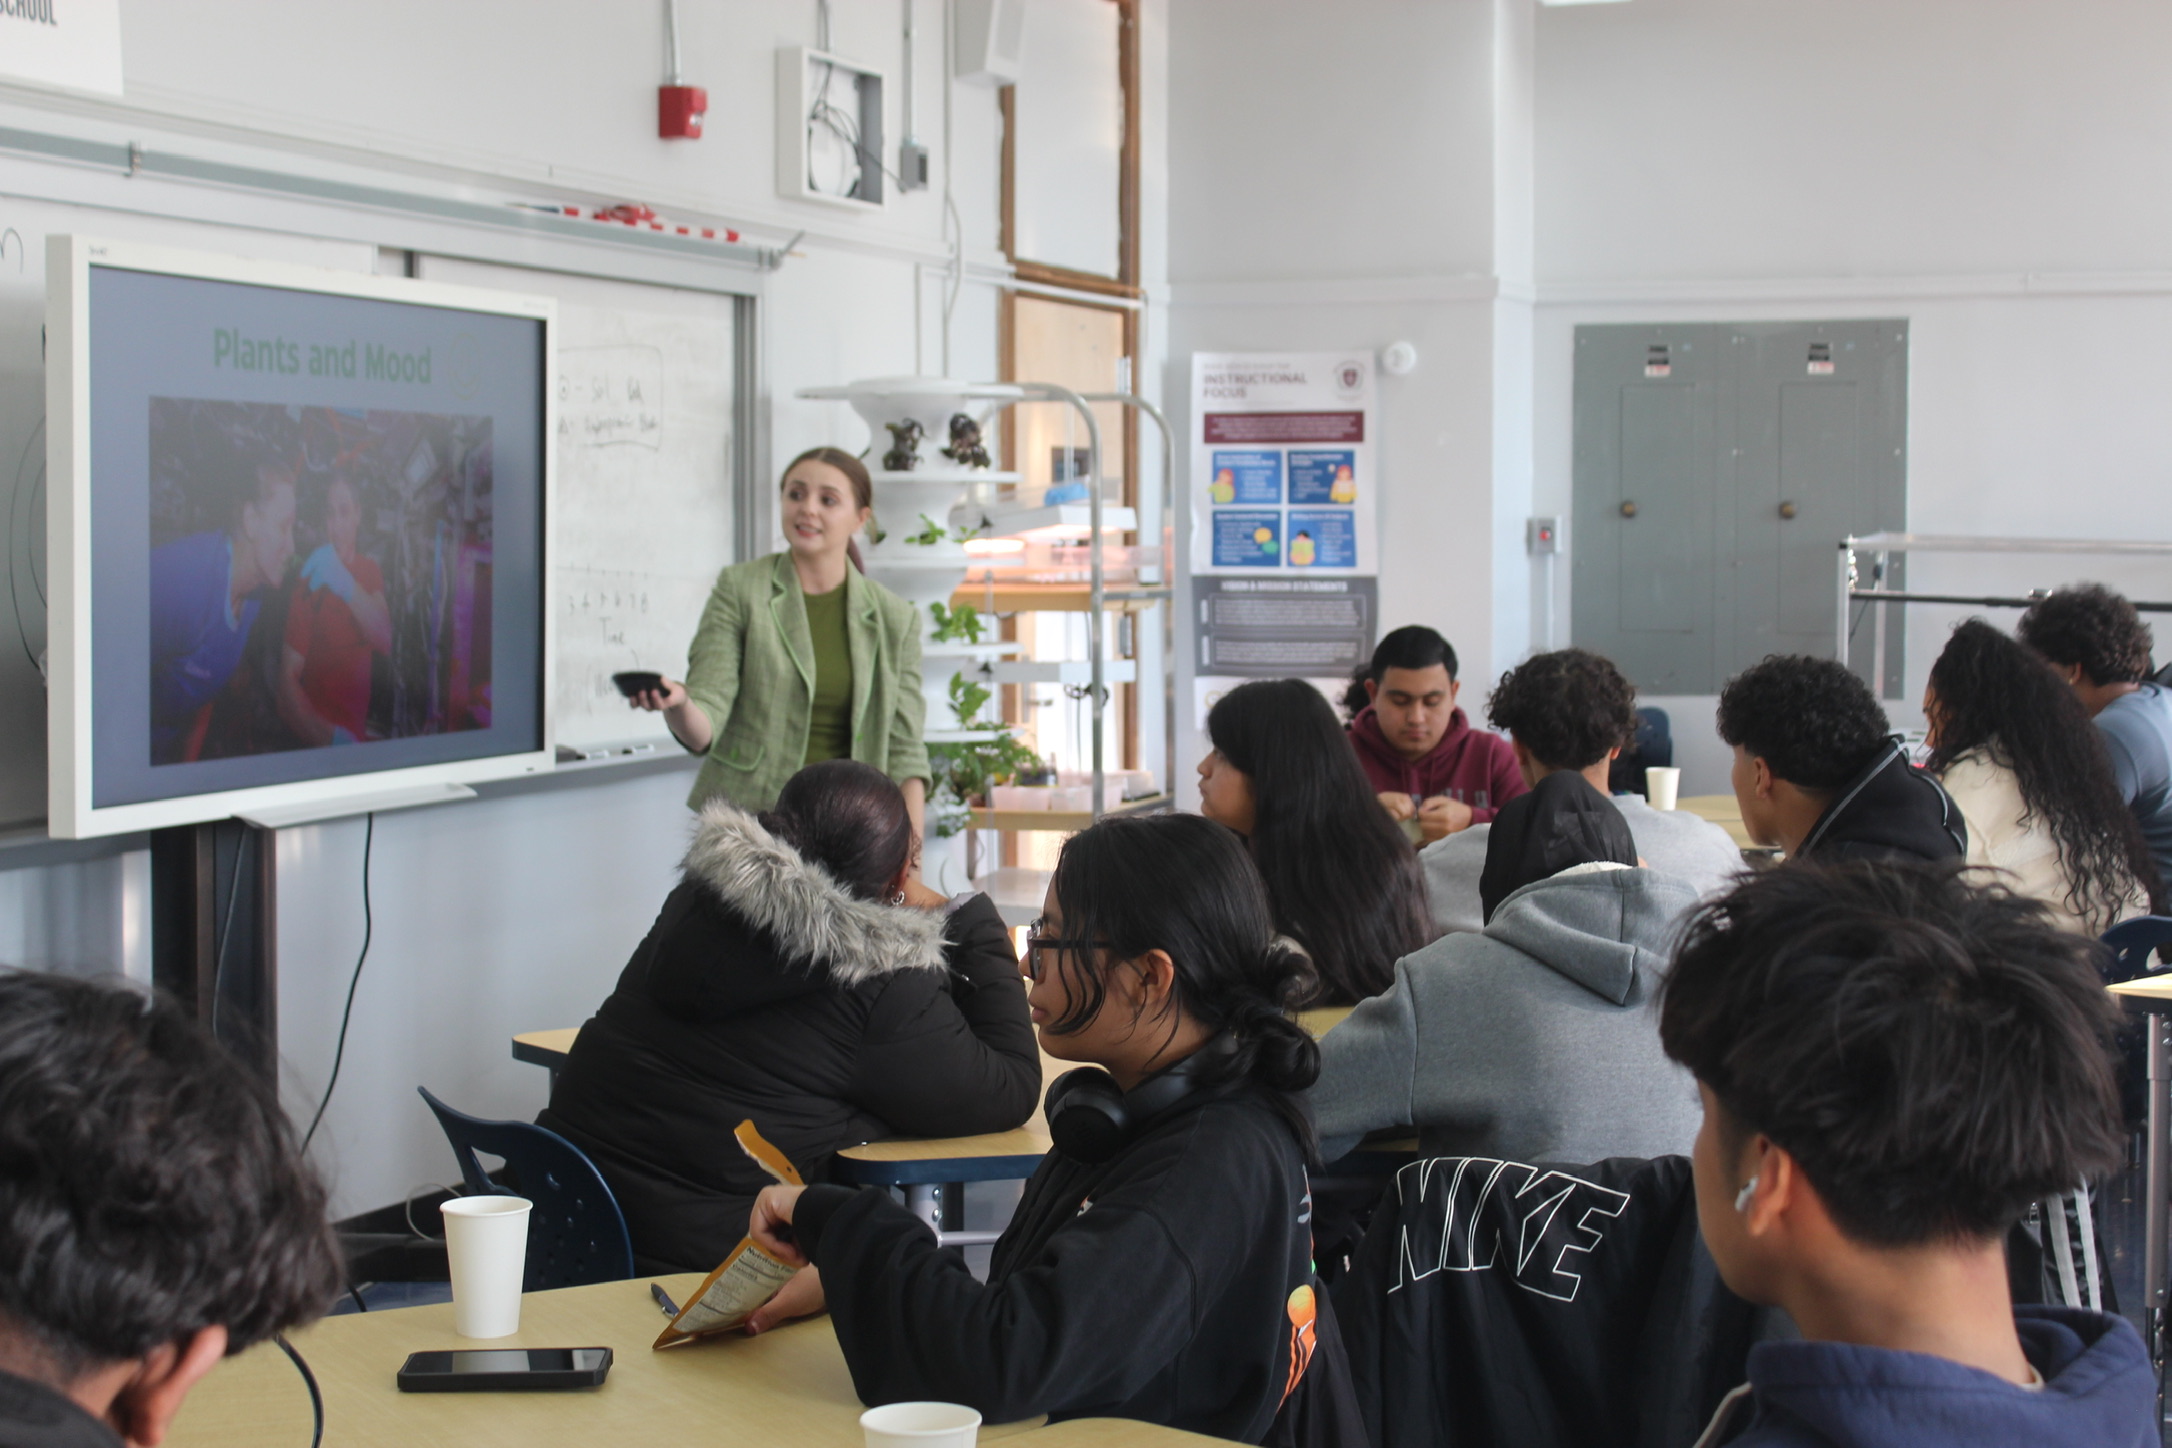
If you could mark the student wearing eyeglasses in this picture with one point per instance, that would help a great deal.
(1159, 1266)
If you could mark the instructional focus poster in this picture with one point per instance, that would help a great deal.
(1282, 462)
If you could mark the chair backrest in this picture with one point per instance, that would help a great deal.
(2134, 945)
(576, 1233)
(1652, 747)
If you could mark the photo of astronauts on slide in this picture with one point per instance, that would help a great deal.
(319, 577)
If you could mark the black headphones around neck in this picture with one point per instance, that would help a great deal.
(1091, 1118)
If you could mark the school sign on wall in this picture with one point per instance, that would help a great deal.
(1284, 538)
(1282, 463)
(75, 44)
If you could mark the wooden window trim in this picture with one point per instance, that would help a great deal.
(1126, 282)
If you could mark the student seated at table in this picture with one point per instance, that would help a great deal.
(155, 1217)
(1573, 710)
(1341, 878)
(1533, 1041)
(1424, 760)
(1159, 1265)
(2013, 746)
(801, 978)
(1819, 773)
(2098, 643)
(1894, 1063)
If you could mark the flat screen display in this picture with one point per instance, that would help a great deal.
(316, 533)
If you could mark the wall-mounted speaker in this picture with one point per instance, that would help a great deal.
(988, 40)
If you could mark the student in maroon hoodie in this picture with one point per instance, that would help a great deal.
(1423, 757)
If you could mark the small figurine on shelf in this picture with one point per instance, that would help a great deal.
(904, 453)
(965, 447)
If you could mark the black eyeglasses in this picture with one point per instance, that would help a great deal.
(1037, 941)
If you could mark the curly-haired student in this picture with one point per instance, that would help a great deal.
(1819, 772)
(2098, 643)
(1573, 710)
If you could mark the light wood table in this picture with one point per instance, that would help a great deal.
(786, 1386)
(923, 1165)
(545, 1048)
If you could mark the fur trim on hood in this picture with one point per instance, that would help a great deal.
(798, 905)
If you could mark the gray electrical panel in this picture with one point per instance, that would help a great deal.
(1717, 467)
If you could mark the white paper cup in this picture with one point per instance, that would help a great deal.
(1661, 786)
(920, 1425)
(486, 1246)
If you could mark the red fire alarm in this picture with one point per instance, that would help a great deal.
(679, 109)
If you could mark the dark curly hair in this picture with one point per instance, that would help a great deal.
(1815, 723)
(149, 1186)
(1934, 1053)
(2088, 624)
(1341, 878)
(1994, 697)
(1568, 707)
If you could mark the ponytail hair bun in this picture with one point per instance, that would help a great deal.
(850, 819)
(1184, 885)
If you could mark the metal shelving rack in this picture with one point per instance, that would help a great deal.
(1148, 565)
(1880, 548)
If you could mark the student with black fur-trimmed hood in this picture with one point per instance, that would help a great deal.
(798, 976)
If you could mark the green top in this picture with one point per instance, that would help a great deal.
(751, 670)
(829, 727)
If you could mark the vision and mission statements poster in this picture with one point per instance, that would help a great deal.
(1282, 463)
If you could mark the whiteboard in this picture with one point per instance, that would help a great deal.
(646, 398)
(24, 226)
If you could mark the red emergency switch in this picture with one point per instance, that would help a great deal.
(679, 109)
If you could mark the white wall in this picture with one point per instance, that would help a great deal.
(1352, 175)
(517, 911)
(1999, 175)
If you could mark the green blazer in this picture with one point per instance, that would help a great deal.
(752, 670)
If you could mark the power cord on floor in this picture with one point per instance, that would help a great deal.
(316, 1397)
(339, 1051)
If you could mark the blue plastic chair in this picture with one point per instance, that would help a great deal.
(576, 1233)
(2134, 945)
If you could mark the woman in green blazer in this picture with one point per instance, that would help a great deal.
(801, 657)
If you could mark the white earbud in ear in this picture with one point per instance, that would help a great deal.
(1742, 1198)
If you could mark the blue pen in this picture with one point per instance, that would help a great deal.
(663, 1299)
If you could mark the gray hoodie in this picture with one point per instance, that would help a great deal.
(1673, 842)
(1534, 1041)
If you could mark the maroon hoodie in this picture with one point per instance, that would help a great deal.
(1467, 759)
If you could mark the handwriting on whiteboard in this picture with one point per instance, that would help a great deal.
(611, 396)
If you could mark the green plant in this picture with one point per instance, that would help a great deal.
(952, 624)
(964, 770)
(932, 532)
(966, 698)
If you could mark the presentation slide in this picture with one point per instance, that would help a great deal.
(317, 528)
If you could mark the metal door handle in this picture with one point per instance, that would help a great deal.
(1628, 509)
(1788, 510)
